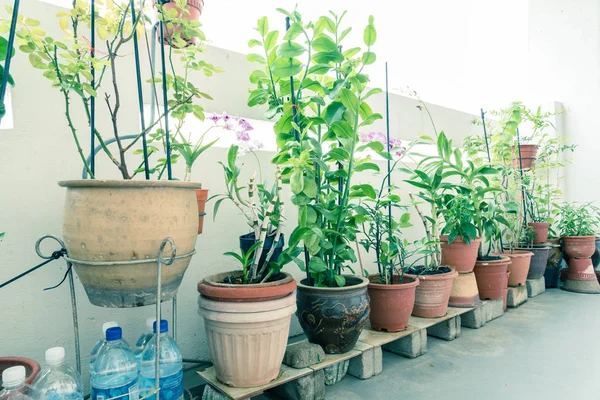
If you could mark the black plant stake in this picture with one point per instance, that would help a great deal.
(485, 136)
(9, 50)
(389, 163)
(161, 27)
(93, 84)
(521, 172)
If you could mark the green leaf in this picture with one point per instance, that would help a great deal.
(254, 43)
(310, 187)
(326, 57)
(290, 50)
(293, 32)
(263, 26)
(371, 119)
(340, 280)
(232, 157)
(316, 265)
(256, 58)
(297, 180)
(325, 23)
(324, 43)
(286, 67)
(370, 35)
(319, 69)
(257, 76)
(366, 166)
(271, 40)
(349, 99)
(4, 48)
(216, 208)
(344, 34)
(369, 57)
(351, 52)
(334, 112)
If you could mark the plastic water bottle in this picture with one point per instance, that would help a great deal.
(59, 381)
(15, 388)
(115, 371)
(170, 364)
(144, 338)
(101, 342)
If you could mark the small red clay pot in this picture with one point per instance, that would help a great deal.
(32, 368)
(213, 288)
(528, 153)
(194, 8)
(459, 255)
(391, 305)
(432, 294)
(579, 246)
(519, 266)
(581, 269)
(541, 231)
(201, 197)
(491, 278)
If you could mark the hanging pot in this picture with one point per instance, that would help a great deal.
(491, 277)
(539, 260)
(433, 294)
(201, 197)
(192, 12)
(528, 153)
(32, 368)
(458, 254)
(518, 267)
(579, 246)
(248, 240)
(391, 305)
(123, 221)
(541, 231)
(464, 291)
(247, 338)
(334, 317)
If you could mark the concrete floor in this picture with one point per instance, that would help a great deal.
(543, 350)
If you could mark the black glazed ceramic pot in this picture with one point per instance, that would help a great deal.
(334, 317)
(538, 261)
(247, 241)
(596, 256)
(551, 277)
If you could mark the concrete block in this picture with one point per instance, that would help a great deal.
(367, 365)
(535, 287)
(213, 394)
(303, 355)
(494, 309)
(410, 346)
(334, 373)
(475, 318)
(447, 330)
(516, 296)
(309, 387)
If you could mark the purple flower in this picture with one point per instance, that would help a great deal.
(215, 118)
(395, 144)
(243, 136)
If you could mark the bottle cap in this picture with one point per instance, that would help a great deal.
(114, 333)
(164, 326)
(150, 323)
(55, 355)
(13, 376)
(106, 325)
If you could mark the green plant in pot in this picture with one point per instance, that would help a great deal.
(578, 225)
(249, 310)
(109, 223)
(318, 96)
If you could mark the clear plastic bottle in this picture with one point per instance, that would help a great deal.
(170, 364)
(100, 342)
(115, 371)
(144, 338)
(15, 388)
(59, 381)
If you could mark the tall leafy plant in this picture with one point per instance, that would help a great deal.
(317, 93)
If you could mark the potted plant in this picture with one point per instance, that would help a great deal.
(118, 221)
(516, 233)
(249, 310)
(318, 96)
(391, 293)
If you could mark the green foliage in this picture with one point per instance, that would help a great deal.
(317, 136)
(578, 220)
(3, 51)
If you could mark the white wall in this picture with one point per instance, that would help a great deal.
(39, 151)
(564, 64)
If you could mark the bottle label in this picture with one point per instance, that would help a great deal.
(171, 387)
(130, 389)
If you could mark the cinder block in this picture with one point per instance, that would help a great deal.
(516, 296)
(494, 309)
(303, 355)
(334, 373)
(447, 330)
(535, 287)
(367, 365)
(309, 387)
(411, 346)
(475, 318)
(213, 394)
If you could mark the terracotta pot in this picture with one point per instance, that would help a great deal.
(541, 231)
(579, 246)
(391, 305)
(32, 368)
(433, 294)
(537, 267)
(581, 269)
(201, 197)
(213, 288)
(596, 255)
(248, 240)
(491, 278)
(464, 291)
(518, 267)
(247, 341)
(123, 221)
(194, 10)
(459, 255)
(334, 317)
(555, 253)
(528, 153)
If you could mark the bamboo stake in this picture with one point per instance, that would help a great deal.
(253, 207)
(263, 236)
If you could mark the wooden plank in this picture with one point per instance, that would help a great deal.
(379, 338)
(331, 359)
(424, 323)
(286, 374)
